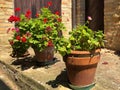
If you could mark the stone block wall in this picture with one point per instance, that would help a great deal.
(67, 15)
(111, 19)
(6, 9)
(112, 23)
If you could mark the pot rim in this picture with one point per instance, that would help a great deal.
(85, 52)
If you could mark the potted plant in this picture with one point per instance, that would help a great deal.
(82, 56)
(44, 31)
(20, 34)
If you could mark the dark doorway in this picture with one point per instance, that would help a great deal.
(95, 9)
(35, 5)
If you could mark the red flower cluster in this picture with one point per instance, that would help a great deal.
(59, 19)
(23, 39)
(37, 15)
(17, 9)
(57, 13)
(11, 42)
(28, 34)
(49, 3)
(13, 19)
(28, 14)
(18, 37)
(45, 20)
(50, 44)
(48, 28)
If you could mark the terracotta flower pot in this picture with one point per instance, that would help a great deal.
(45, 56)
(81, 67)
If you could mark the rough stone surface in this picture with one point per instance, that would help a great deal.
(112, 23)
(12, 85)
(29, 76)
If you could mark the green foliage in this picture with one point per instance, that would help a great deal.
(83, 38)
(45, 30)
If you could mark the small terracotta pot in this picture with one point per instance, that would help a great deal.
(81, 66)
(44, 56)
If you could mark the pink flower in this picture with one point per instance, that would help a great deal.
(89, 18)
(17, 30)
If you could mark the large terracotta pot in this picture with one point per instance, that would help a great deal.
(46, 55)
(81, 67)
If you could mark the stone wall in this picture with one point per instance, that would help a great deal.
(112, 23)
(67, 15)
(6, 9)
(111, 19)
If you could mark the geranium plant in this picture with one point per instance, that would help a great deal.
(41, 32)
(20, 33)
(45, 29)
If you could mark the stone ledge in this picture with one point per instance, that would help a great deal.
(34, 77)
(54, 77)
(24, 82)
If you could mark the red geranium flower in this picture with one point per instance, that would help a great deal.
(17, 9)
(28, 13)
(45, 20)
(18, 37)
(50, 43)
(13, 19)
(37, 15)
(48, 28)
(59, 19)
(49, 3)
(28, 34)
(11, 42)
(24, 39)
(57, 13)
(16, 19)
